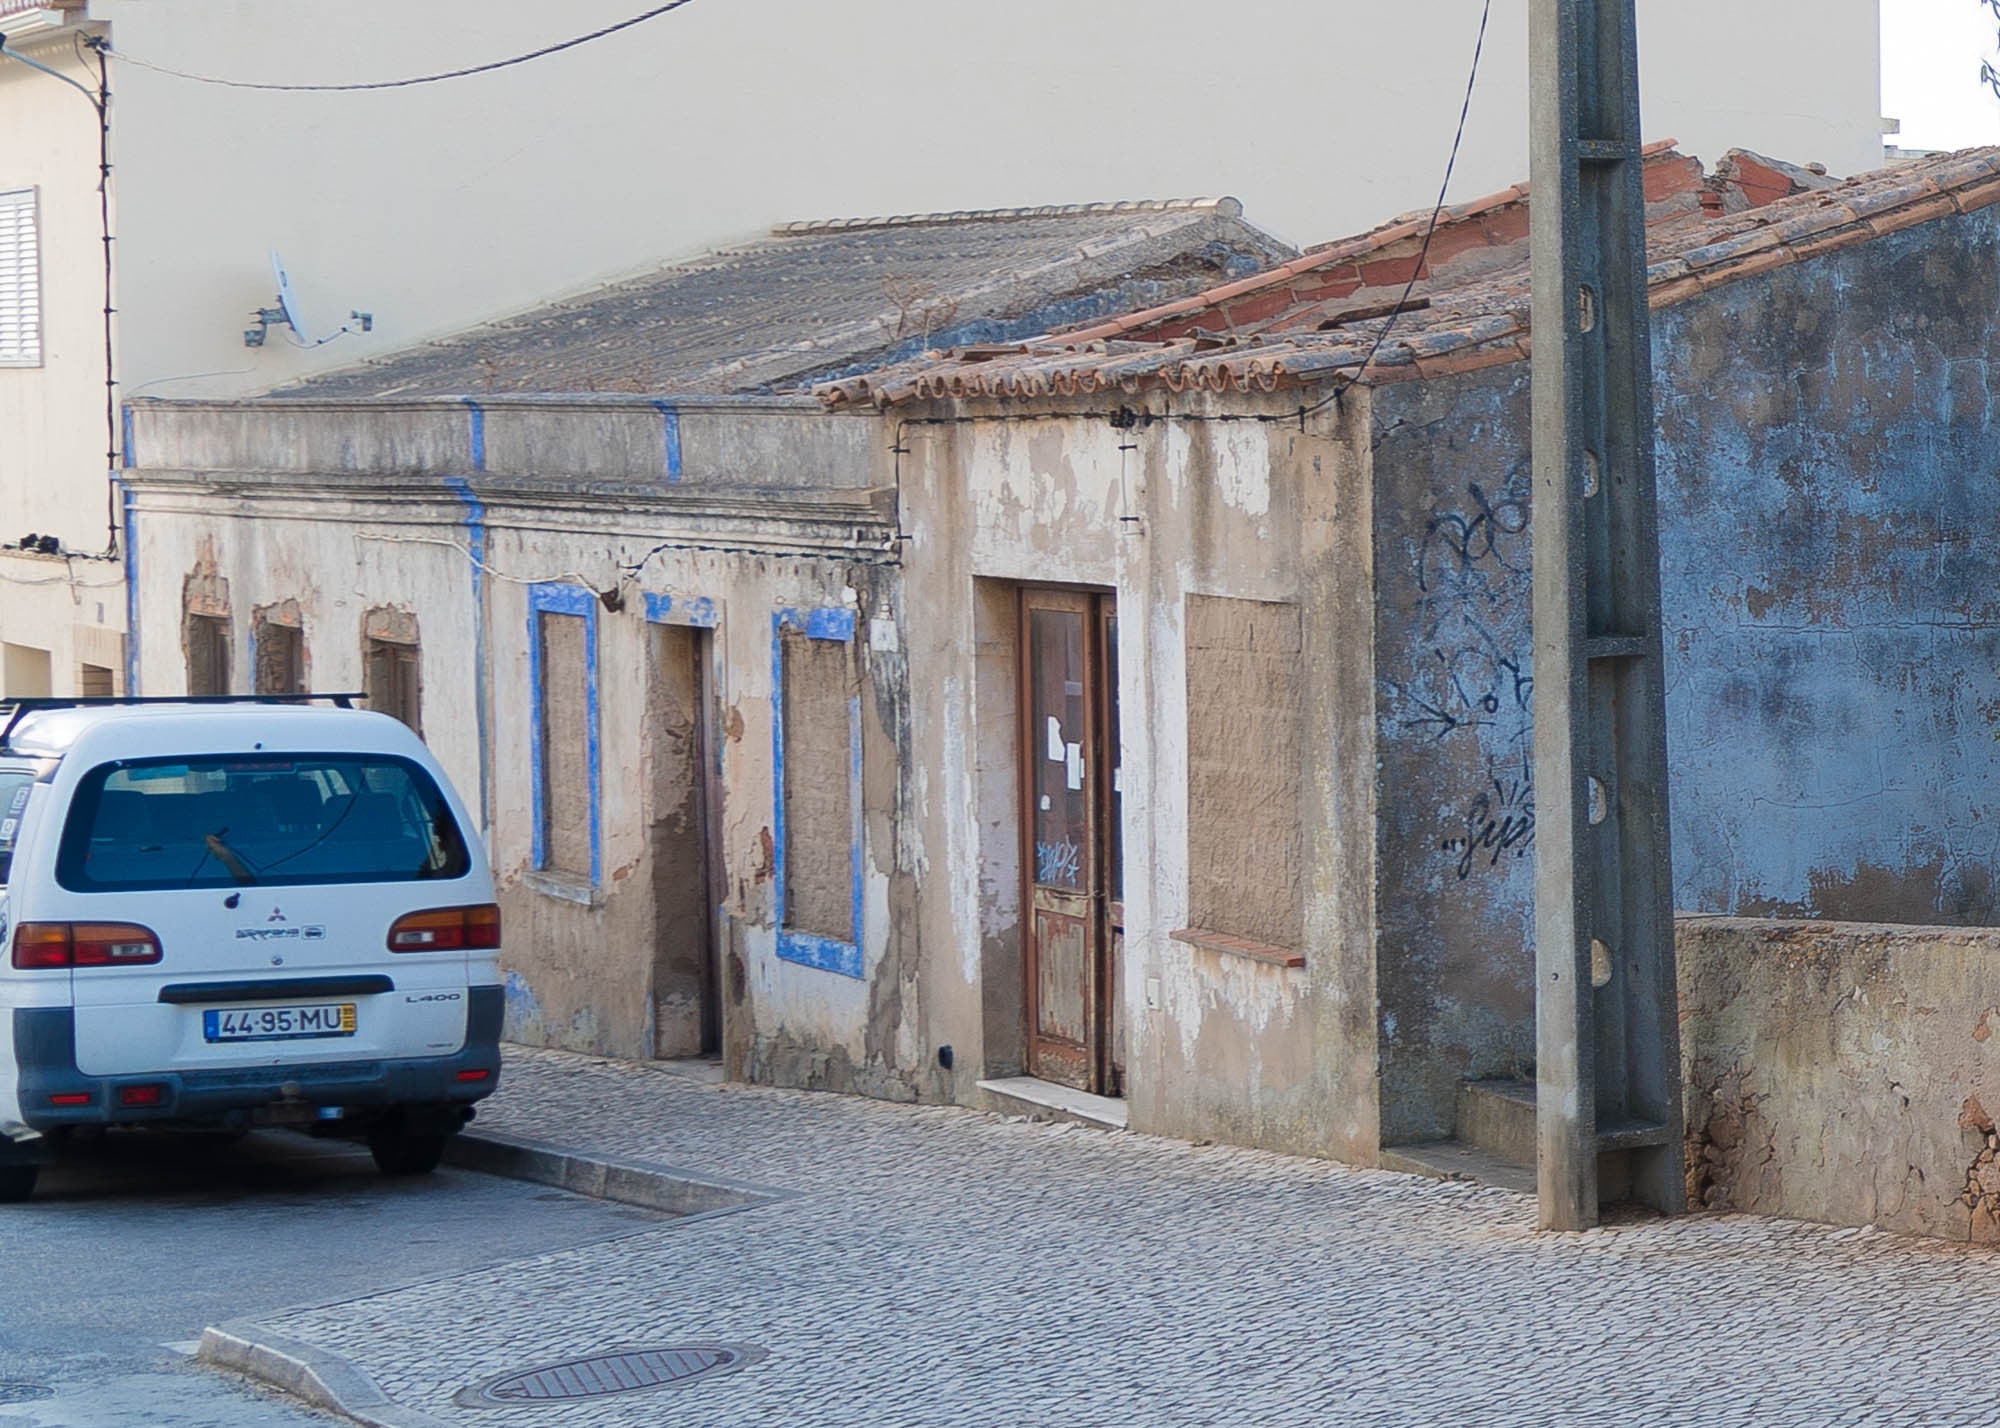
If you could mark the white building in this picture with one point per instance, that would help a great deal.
(436, 206)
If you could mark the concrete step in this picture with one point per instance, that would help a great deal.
(1498, 1116)
(1046, 1101)
(1455, 1160)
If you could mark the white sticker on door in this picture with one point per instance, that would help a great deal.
(1074, 773)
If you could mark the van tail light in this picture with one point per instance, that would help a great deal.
(41, 946)
(447, 929)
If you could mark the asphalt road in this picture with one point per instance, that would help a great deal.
(138, 1242)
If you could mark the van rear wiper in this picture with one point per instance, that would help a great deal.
(228, 857)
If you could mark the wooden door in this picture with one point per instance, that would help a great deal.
(1067, 855)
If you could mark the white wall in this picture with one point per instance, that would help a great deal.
(52, 430)
(439, 206)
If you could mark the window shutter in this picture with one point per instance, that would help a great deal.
(20, 281)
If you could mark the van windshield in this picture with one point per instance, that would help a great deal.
(239, 821)
(15, 786)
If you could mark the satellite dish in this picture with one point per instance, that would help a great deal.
(288, 313)
(288, 302)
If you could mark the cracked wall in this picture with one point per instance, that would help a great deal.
(1837, 1072)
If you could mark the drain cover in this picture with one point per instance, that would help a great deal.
(14, 1390)
(624, 1371)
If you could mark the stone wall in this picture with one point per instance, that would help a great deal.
(1843, 1072)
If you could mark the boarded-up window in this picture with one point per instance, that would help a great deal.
(819, 732)
(207, 640)
(93, 681)
(389, 676)
(281, 658)
(565, 703)
(1245, 721)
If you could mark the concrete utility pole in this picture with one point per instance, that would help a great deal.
(1606, 1029)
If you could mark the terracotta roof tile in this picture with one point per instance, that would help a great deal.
(1470, 311)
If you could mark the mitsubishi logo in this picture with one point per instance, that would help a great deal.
(277, 915)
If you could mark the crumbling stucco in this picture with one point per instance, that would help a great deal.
(1838, 1072)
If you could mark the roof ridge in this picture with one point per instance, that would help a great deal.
(1476, 325)
(1224, 207)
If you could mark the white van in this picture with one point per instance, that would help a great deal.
(237, 912)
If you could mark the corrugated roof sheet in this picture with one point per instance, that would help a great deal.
(816, 300)
(1320, 314)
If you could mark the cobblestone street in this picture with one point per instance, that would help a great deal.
(937, 1266)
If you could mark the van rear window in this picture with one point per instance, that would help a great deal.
(256, 821)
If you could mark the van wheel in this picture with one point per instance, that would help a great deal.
(401, 1148)
(17, 1182)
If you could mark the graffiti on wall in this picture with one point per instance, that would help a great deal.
(1472, 676)
(1499, 820)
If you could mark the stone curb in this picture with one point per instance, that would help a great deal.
(671, 1191)
(326, 1380)
(314, 1376)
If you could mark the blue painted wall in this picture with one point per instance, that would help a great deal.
(1830, 528)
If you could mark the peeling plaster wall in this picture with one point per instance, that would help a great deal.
(1219, 1046)
(1832, 617)
(369, 506)
(1828, 438)
(1454, 680)
(1843, 1072)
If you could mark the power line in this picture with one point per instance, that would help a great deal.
(1437, 210)
(544, 51)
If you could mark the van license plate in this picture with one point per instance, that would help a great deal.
(278, 1023)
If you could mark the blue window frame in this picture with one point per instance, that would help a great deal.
(808, 949)
(562, 599)
(697, 611)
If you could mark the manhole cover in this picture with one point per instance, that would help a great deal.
(623, 1371)
(14, 1390)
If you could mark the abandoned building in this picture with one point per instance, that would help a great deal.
(583, 550)
(1134, 719)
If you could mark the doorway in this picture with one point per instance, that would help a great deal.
(1072, 848)
(687, 1006)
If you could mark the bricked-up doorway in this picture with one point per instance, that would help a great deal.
(687, 1012)
(1071, 853)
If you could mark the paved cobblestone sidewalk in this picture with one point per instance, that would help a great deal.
(941, 1267)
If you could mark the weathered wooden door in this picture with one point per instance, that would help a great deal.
(1068, 724)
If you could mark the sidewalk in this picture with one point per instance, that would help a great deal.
(932, 1266)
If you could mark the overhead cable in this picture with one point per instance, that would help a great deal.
(543, 52)
(1437, 211)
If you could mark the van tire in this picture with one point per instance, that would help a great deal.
(17, 1182)
(401, 1148)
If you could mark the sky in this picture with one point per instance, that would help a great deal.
(1931, 51)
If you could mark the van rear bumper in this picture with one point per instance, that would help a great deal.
(45, 1052)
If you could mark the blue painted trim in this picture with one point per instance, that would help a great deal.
(818, 624)
(126, 504)
(559, 598)
(680, 610)
(825, 953)
(475, 545)
(670, 439)
(477, 434)
(828, 954)
(125, 437)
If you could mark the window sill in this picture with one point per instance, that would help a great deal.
(565, 887)
(1240, 947)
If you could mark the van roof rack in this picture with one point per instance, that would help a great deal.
(19, 708)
